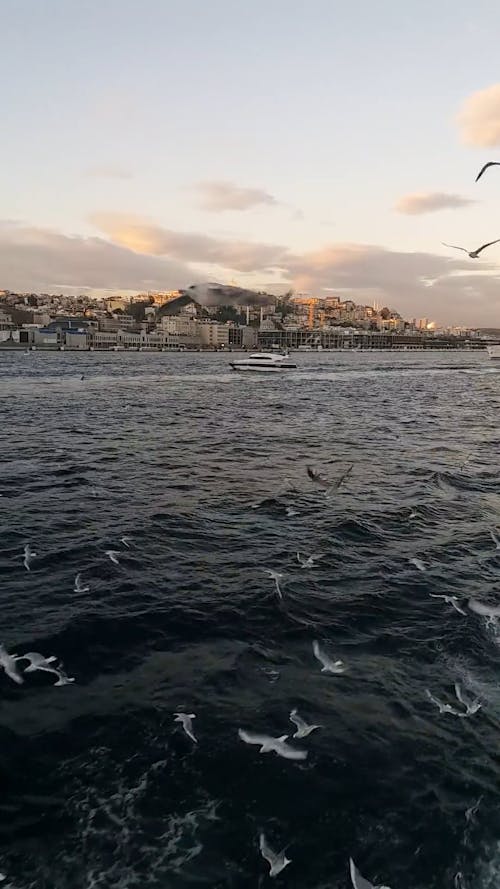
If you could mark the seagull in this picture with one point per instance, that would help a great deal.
(418, 564)
(358, 881)
(317, 478)
(126, 541)
(483, 169)
(303, 729)
(28, 556)
(276, 576)
(329, 666)
(451, 600)
(113, 555)
(277, 860)
(272, 745)
(8, 663)
(82, 378)
(495, 539)
(471, 706)
(290, 511)
(472, 812)
(443, 708)
(336, 485)
(482, 608)
(474, 254)
(310, 561)
(79, 587)
(187, 724)
(39, 662)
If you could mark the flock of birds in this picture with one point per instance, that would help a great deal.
(474, 254)
(277, 861)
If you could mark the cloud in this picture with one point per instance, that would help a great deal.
(479, 118)
(41, 260)
(218, 197)
(416, 284)
(429, 202)
(144, 236)
(138, 256)
(108, 171)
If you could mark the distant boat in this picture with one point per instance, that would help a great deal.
(263, 361)
(494, 351)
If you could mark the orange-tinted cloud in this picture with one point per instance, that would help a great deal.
(479, 118)
(219, 196)
(429, 202)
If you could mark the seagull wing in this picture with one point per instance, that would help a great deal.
(483, 169)
(495, 539)
(12, 673)
(357, 880)
(251, 738)
(480, 249)
(283, 749)
(296, 719)
(266, 850)
(318, 654)
(453, 247)
(481, 608)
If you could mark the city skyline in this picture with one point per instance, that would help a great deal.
(152, 146)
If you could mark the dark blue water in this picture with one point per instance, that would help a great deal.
(98, 786)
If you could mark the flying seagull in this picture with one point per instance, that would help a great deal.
(329, 666)
(472, 253)
(483, 169)
(28, 556)
(272, 745)
(276, 576)
(358, 881)
(443, 708)
(127, 541)
(113, 555)
(418, 564)
(187, 724)
(79, 586)
(310, 561)
(277, 860)
(451, 600)
(303, 729)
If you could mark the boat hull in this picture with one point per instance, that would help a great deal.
(256, 368)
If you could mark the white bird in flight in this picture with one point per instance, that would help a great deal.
(329, 666)
(277, 860)
(40, 662)
(79, 586)
(186, 720)
(450, 600)
(310, 561)
(290, 511)
(443, 708)
(483, 169)
(126, 541)
(29, 555)
(113, 555)
(358, 881)
(268, 744)
(276, 576)
(303, 729)
(8, 663)
(473, 254)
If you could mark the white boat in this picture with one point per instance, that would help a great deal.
(494, 351)
(263, 361)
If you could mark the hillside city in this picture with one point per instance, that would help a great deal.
(228, 318)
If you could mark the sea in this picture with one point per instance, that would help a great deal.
(204, 472)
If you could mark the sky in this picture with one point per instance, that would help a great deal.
(325, 147)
